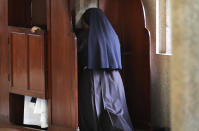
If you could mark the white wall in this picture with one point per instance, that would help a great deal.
(81, 6)
(185, 66)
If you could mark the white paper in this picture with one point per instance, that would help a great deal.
(36, 113)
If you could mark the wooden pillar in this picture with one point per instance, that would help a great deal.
(4, 85)
(64, 106)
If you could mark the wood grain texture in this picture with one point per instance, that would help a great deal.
(19, 67)
(63, 67)
(36, 63)
(4, 84)
(27, 62)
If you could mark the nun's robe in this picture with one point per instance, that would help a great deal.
(102, 102)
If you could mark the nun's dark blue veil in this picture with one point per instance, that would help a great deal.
(103, 42)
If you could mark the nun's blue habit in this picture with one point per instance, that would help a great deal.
(102, 102)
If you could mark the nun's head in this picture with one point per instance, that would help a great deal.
(103, 42)
(89, 15)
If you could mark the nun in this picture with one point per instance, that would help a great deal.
(102, 102)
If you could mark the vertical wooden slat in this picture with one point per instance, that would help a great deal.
(4, 85)
(19, 59)
(36, 63)
(63, 67)
(48, 61)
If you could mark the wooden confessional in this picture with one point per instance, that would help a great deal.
(44, 64)
(41, 64)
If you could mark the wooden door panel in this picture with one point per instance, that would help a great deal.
(63, 57)
(36, 63)
(19, 61)
(27, 60)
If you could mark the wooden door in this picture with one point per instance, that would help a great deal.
(127, 17)
(27, 62)
(63, 68)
